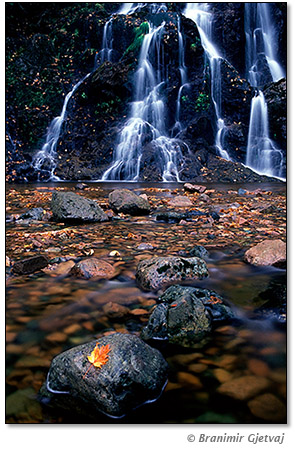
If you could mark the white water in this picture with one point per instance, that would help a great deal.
(262, 154)
(147, 119)
(130, 8)
(177, 128)
(45, 160)
(199, 13)
(105, 54)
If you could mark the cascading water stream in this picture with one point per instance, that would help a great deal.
(147, 119)
(262, 155)
(45, 160)
(199, 13)
(177, 128)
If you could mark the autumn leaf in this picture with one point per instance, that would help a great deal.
(98, 357)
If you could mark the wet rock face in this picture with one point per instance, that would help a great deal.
(70, 207)
(267, 253)
(186, 315)
(134, 374)
(154, 273)
(127, 202)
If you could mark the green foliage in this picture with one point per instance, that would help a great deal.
(202, 102)
(138, 38)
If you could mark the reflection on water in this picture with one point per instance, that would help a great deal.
(46, 315)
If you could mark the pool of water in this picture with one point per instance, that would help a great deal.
(47, 314)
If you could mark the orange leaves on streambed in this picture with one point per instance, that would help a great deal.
(98, 357)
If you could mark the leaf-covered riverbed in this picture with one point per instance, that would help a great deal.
(49, 311)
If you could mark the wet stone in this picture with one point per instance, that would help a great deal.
(154, 273)
(73, 208)
(184, 316)
(268, 407)
(267, 253)
(30, 265)
(244, 388)
(93, 268)
(127, 202)
(134, 374)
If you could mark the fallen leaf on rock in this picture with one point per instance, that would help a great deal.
(98, 357)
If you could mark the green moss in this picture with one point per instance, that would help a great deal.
(138, 38)
(202, 102)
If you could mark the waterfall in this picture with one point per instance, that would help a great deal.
(177, 128)
(262, 155)
(154, 8)
(105, 54)
(147, 118)
(199, 13)
(44, 160)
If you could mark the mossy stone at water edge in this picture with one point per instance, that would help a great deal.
(134, 374)
(154, 273)
(71, 207)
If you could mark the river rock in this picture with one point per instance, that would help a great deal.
(200, 252)
(33, 214)
(170, 216)
(71, 207)
(30, 265)
(154, 273)
(134, 374)
(194, 188)
(244, 388)
(185, 315)
(268, 407)
(93, 268)
(180, 202)
(267, 253)
(127, 202)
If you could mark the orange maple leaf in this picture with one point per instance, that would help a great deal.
(98, 357)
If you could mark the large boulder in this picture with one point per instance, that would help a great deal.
(71, 207)
(270, 252)
(154, 273)
(186, 315)
(127, 202)
(133, 374)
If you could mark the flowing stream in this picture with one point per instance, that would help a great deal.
(199, 13)
(262, 154)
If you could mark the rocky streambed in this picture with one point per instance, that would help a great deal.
(183, 287)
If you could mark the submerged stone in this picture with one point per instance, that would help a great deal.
(154, 273)
(134, 374)
(71, 207)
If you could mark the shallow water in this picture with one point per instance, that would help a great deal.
(46, 314)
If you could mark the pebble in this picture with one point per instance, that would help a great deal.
(258, 367)
(244, 388)
(185, 359)
(268, 407)
(188, 380)
(139, 311)
(222, 375)
(197, 368)
(114, 310)
(57, 336)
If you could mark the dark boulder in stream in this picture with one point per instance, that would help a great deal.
(133, 374)
(186, 316)
(127, 202)
(71, 207)
(155, 273)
